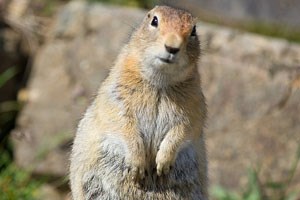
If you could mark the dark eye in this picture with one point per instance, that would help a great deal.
(194, 32)
(154, 21)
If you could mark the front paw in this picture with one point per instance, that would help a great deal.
(164, 162)
(135, 167)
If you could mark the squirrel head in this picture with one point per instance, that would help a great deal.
(167, 44)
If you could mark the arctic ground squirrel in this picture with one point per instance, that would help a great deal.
(142, 137)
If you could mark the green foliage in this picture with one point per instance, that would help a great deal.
(14, 182)
(8, 109)
(134, 3)
(252, 191)
(7, 75)
(219, 192)
(258, 190)
(45, 7)
(273, 30)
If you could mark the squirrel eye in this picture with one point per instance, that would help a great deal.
(154, 21)
(194, 33)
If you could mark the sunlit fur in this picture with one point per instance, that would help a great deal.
(142, 137)
(174, 29)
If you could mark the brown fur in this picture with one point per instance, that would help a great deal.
(142, 138)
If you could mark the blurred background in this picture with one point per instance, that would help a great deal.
(54, 55)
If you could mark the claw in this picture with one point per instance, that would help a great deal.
(164, 162)
(142, 173)
(159, 169)
(126, 171)
(134, 173)
(163, 169)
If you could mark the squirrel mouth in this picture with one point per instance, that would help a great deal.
(166, 60)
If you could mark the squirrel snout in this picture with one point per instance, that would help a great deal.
(171, 50)
(173, 43)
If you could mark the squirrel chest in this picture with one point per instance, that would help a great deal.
(142, 137)
(157, 110)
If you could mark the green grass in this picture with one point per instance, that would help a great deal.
(273, 30)
(262, 28)
(46, 8)
(15, 183)
(134, 3)
(262, 190)
(8, 109)
(7, 75)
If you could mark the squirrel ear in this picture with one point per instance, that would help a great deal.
(194, 31)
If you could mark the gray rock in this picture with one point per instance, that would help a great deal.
(252, 89)
(251, 84)
(279, 12)
(48, 192)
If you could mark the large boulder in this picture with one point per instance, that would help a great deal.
(284, 14)
(251, 83)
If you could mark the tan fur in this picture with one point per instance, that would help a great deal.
(142, 138)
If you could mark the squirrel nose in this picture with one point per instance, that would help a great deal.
(171, 50)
